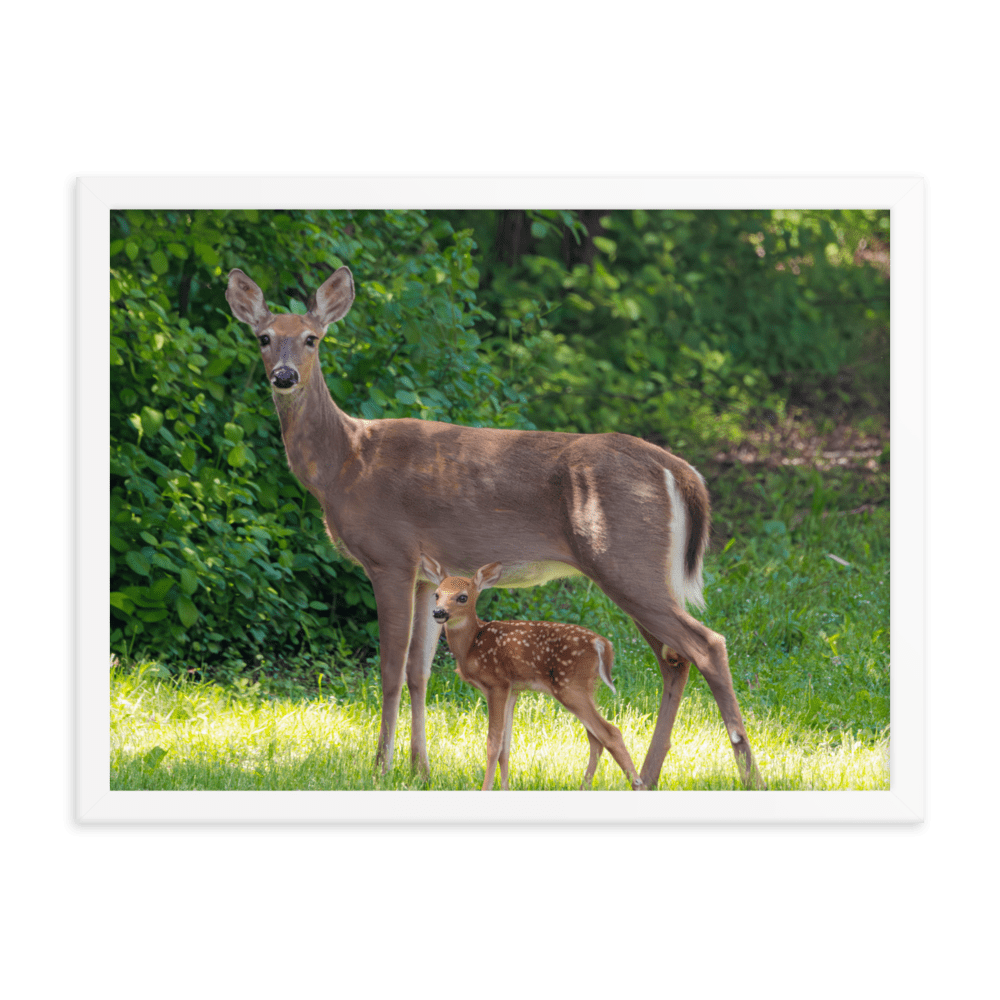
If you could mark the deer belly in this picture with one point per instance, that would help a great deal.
(531, 574)
(518, 574)
(535, 685)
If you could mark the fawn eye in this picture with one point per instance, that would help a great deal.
(462, 598)
(264, 340)
(310, 341)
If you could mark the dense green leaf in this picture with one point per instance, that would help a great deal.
(186, 611)
(152, 421)
(138, 562)
(120, 601)
(161, 588)
(217, 366)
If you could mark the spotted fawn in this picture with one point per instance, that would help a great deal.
(504, 658)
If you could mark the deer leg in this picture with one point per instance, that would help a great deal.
(508, 726)
(684, 638)
(423, 643)
(713, 662)
(608, 735)
(674, 670)
(596, 749)
(394, 600)
(496, 708)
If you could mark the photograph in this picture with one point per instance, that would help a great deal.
(436, 500)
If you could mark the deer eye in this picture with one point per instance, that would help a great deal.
(462, 598)
(264, 340)
(310, 341)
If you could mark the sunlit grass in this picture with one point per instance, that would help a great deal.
(808, 640)
(217, 738)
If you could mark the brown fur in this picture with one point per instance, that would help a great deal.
(502, 659)
(542, 503)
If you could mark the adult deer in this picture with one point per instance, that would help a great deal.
(504, 658)
(629, 515)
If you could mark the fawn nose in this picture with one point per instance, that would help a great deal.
(284, 377)
(440, 615)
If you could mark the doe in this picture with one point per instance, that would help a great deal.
(504, 658)
(629, 515)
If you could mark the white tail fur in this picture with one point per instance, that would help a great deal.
(684, 584)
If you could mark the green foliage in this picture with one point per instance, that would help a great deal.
(680, 324)
(673, 325)
(219, 557)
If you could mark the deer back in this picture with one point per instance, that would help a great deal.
(545, 656)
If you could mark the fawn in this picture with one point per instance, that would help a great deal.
(504, 658)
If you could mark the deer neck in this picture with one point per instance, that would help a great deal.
(462, 638)
(316, 432)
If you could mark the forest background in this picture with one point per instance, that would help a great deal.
(746, 341)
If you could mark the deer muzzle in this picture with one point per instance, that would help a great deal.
(284, 377)
(440, 615)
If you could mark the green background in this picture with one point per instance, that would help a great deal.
(456, 87)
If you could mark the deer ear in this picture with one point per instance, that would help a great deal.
(333, 298)
(487, 576)
(432, 569)
(246, 300)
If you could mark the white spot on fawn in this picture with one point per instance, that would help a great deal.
(735, 736)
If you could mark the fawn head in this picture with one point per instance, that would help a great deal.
(289, 344)
(455, 599)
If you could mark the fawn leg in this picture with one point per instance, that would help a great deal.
(596, 749)
(496, 706)
(508, 725)
(582, 706)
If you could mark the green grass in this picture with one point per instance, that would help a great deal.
(808, 642)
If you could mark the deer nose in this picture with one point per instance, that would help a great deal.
(440, 615)
(284, 377)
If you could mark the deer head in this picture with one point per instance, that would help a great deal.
(289, 344)
(455, 600)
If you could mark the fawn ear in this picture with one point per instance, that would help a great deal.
(487, 576)
(432, 569)
(246, 300)
(333, 298)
